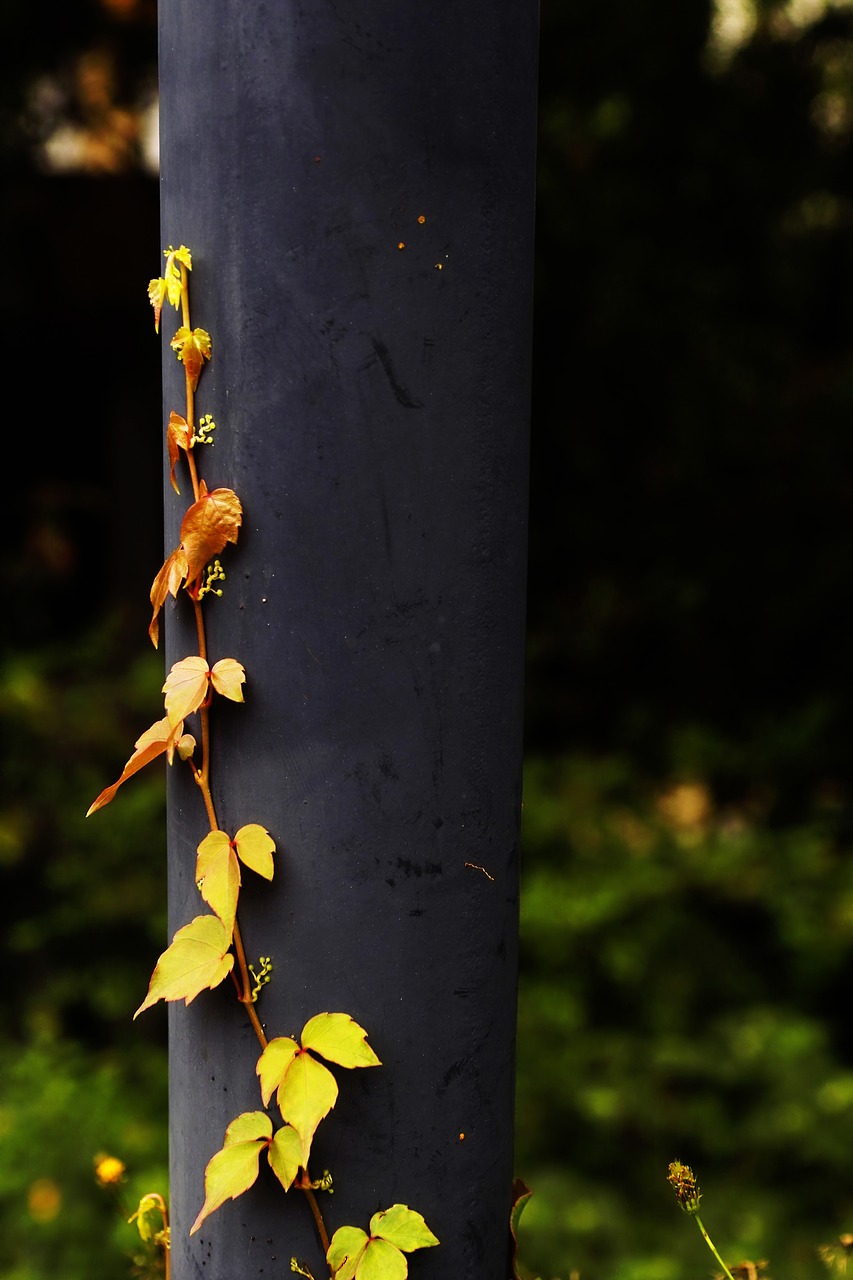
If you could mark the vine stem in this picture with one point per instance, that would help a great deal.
(202, 777)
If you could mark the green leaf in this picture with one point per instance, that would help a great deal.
(381, 1261)
(234, 1169)
(285, 1155)
(337, 1038)
(197, 959)
(255, 847)
(273, 1064)
(403, 1227)
(345, 1250)
(306, 1094)
(217, 874)
(521, 1194)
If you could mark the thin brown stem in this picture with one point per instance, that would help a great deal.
(246, 997)
(318, 1218)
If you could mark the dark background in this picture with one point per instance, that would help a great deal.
(688, 884)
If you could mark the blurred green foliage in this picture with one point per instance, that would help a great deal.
(685, 966)
(82, 910)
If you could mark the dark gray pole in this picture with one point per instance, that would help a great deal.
(355, 181)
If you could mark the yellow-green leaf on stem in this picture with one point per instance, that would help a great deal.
(217, 875)
(402, 1227)
(285, 1155)
(346, 1250)
(159, 740)
(234, 1168)
(337, 1038)
(273, 1064)
(306, 1094)
(197, 959)
(354, 1256)
(255, 848)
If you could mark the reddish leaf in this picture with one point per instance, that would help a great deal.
(178, 437)
(207, 526)
(168, 581)
(159, 740)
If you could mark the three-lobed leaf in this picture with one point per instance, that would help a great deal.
(394, 1232)
(197, 959)
(305, 1090)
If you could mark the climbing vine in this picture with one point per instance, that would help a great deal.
(210, 947)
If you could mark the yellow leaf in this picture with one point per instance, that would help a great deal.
(217, 874)
(192, 348)
(273, 1063)
(197, 959)
(234, 1168)
(226, 677)
(255, 848)
(346, 1250)
(186, 688)
(157, 290)
(285, 1155)
(306, 1094)
(337, 1038)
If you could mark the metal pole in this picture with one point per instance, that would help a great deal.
(355, 181)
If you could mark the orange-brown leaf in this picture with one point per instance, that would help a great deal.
(159, 740)
(177, 437)
(207, 526)
(168, 580)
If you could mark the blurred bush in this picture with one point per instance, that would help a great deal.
(82, 912)
(685, 965)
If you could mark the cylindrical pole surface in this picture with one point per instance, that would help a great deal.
(355, 181)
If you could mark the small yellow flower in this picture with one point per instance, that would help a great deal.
(108, 1170)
